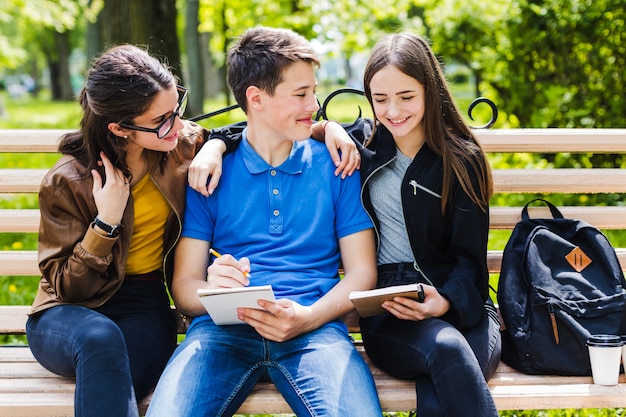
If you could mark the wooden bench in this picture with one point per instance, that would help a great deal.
(26, 389)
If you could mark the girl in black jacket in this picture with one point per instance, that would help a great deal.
(427, 184)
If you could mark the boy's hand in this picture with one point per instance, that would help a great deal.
(228, 272)
(279, 321)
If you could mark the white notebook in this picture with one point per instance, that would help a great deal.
(222, 303)
(369, 303)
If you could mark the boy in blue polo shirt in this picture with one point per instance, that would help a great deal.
(280, 217)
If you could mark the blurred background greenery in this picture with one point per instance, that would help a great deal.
(545, 63)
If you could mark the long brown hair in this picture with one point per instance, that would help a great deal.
(121, 85)
(446, 132)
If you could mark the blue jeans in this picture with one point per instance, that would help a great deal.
(215, 368)
(450, 366)
(116, 352)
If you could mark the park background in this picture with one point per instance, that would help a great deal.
(544, 63)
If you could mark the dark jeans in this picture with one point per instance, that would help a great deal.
(116, 352)
(450, 367)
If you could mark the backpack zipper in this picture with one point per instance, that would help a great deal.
(555, 329)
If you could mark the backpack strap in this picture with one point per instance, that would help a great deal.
(553, 209)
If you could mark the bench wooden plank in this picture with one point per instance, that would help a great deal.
(511, 390)
(566, 180)
(27, 220)
(606, 217)
(495, 140)
(30, 140)
(19, 220)
(17, 263)
(21, 180)
(41, 405)
(570, 180)
(553, 140)
(13, 319)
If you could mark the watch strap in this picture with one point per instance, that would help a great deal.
(112, 230)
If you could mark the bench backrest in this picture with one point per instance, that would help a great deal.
(542, 180)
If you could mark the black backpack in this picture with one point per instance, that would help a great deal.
(560, 282)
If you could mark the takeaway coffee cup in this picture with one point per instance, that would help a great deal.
(605, 353)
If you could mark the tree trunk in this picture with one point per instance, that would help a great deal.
(149, 23)
(93, 37)
(222, 70)
(195, 67)
(212, 81)
(58, 64)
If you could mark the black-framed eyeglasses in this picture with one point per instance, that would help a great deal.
(165, 127)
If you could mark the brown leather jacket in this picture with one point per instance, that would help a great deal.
(78, 265)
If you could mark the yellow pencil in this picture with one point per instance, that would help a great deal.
(217, 255)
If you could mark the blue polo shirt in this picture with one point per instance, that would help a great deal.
(287, 219)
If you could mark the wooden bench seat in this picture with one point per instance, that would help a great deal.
(22, 379)
(27, 389)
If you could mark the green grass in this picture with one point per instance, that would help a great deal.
(29, 113)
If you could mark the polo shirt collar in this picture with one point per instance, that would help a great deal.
(294, 164)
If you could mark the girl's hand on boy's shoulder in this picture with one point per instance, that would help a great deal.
(342, 149)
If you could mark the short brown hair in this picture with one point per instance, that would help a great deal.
(261, 55)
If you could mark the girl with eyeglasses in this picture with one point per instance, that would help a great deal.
(111, 213)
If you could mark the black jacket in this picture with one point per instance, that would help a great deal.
(451, 249)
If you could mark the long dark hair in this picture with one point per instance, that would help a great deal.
(446, 132)
(121, 85)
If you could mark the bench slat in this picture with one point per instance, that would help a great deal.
(495, 140)
(19, 220)
(17, 404)
(17, 263)
(27, 220)
(613, 217)
(567, 180)
(570, 180)
(527, 392)
(21, 180)
(30, 140)
(13, 321)
(553, 140)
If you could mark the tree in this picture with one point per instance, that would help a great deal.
(467, 33)
(564, 63)
(226, 20)
(150, 23)
(195, 62)
(44, 30)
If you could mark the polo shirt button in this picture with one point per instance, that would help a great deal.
(276, 212)
(275, 191)
(273, 173)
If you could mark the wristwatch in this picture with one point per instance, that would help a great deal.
(113, 230)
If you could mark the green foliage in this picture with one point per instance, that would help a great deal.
(562, 63)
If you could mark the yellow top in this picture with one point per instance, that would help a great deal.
(151, 212)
